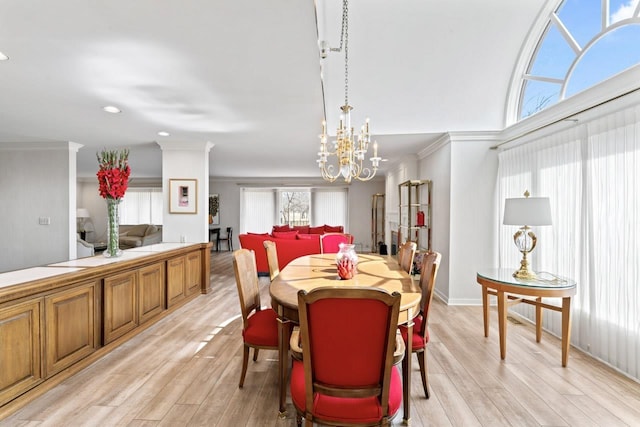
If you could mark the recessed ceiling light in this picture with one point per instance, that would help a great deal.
(111, 109)
(163, 133)
(3, 57)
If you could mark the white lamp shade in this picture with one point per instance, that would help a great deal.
(82, 213)
(527, 211)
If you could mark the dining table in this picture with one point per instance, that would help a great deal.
(320, 271)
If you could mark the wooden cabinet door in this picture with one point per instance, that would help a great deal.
(120, 304)
(176, 272)
(151, 299)
(194, 273)
(20, 349)
(70, 318)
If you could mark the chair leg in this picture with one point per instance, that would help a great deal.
(422, 361)
(245, 363)
(299, 420)
(308, 422)
(255, 354)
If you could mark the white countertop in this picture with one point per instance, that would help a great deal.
(159, 247)
(35, 273)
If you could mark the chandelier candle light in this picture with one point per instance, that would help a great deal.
(529, 211)
(113, 180)
(349, 153)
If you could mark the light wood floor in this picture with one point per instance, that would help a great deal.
(185, 370)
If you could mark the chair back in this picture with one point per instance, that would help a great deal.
(330, 242)
(347, 355)
(272, 259)
(405, 255)
(229, 232)
(428, 273)
(244, 265)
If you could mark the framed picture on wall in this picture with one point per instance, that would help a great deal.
(214, 209)
(183, 196)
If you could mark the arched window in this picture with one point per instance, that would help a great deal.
(584, 43)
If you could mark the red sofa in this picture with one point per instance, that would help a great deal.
(291, 243)
(288, 249)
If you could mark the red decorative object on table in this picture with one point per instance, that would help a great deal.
(347, 261)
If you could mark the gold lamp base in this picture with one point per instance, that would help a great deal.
(525, 271)
(525, 241)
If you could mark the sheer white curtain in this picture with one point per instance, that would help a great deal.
(592, 175)
(329, 206)
(141, 206)
(258, 210)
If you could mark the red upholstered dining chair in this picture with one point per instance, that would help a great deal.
(330, 242)
(406, 254)
(259, 326)
(428, 273)
(272, 259)
(346, 376)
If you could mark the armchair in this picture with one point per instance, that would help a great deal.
(84, 249)
(420, 338)
(347, 374)
(259, 326)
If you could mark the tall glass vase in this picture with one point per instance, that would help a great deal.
(113, 236)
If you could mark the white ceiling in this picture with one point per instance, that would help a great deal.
(246, 75)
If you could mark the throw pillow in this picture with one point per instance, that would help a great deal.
(289, 235)
(151, 229)
(316, 230)
(258, 234)
(336, 229)
(281, 228)
(302, 229)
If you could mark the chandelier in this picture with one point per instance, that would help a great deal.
(349, 154)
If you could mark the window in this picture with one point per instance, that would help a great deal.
(257, 210)
(294, 207)
(329, 207)
(141, 206)
(262, 208)
(584, 43)
(591, 173)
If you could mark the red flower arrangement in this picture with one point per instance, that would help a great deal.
(113, 175)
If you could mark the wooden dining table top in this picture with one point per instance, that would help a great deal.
(319, 271)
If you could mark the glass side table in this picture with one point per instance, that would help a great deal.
(501, 283)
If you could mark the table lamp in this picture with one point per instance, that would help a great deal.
(82, 214)
(525, 212)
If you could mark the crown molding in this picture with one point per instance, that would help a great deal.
(40, 146)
